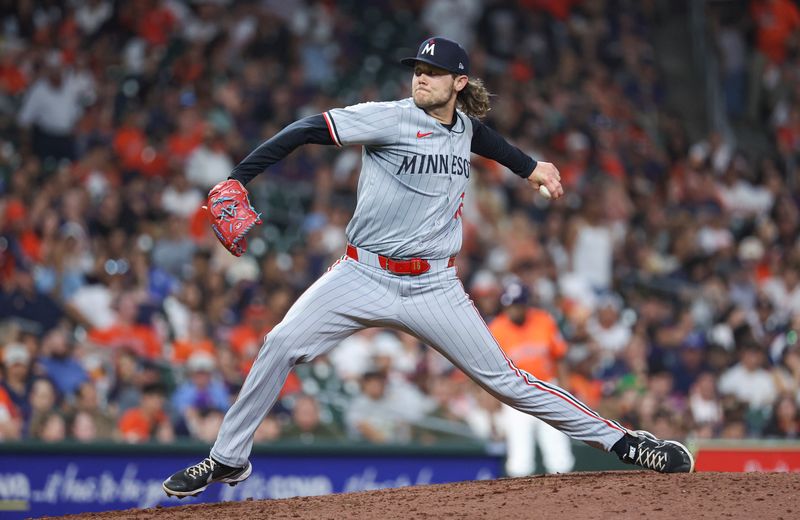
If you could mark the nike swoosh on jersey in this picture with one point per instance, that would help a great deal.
(420, 135)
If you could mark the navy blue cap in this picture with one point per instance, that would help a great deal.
(443, 53)
(515, 294)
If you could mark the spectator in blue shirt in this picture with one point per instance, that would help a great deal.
(202, 391)
(59, 365)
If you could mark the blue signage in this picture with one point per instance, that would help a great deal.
(34, 484)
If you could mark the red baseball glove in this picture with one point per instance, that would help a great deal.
(231, 215)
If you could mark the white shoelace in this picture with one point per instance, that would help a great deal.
(651, 458)
(206, 465)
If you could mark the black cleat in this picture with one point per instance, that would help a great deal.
(646, 450)
(194, 479)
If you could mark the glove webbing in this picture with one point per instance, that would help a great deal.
(228, 212)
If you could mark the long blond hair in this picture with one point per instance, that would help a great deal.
(473, 99)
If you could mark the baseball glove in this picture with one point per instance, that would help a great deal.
(231, 215)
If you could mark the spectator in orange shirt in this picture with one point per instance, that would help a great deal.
(10, 418)
(196, 340)
(148, 421)
(154, 21)
(134, 149)
(531, 339)
(127, 332)
(581, 383)
(13, 80)
(777, 25)
(188, 136)
(247, 338)
(776, 22)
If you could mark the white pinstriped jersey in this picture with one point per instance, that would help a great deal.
(414, 175)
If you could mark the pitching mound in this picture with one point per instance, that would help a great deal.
(621, 494)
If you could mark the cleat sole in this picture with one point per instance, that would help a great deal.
(183, 494)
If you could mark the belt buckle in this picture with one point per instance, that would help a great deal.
(419, 266)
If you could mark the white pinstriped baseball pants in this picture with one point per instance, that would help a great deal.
(433, 307)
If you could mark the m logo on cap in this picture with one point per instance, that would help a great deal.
(450, 56)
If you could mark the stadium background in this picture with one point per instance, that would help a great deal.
(672, 264)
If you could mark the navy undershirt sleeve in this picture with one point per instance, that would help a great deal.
(309, 130)
(488, 143)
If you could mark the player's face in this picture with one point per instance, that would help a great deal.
(431, 86)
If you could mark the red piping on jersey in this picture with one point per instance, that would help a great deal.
(569, 399)
(330, 129)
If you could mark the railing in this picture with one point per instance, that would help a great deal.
(707, 66)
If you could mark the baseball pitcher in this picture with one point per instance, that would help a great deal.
(398, 269)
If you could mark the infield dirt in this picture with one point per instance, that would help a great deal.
(574, 496)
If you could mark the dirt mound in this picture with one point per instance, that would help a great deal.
(620, 494)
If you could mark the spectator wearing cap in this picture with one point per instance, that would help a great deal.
(531, 339)
(374, 416)
(691, 362)
(764, 320)
(202, 391)
(17, 376)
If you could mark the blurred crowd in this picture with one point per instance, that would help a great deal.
(671, 267)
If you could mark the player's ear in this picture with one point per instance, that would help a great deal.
(461, 82)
